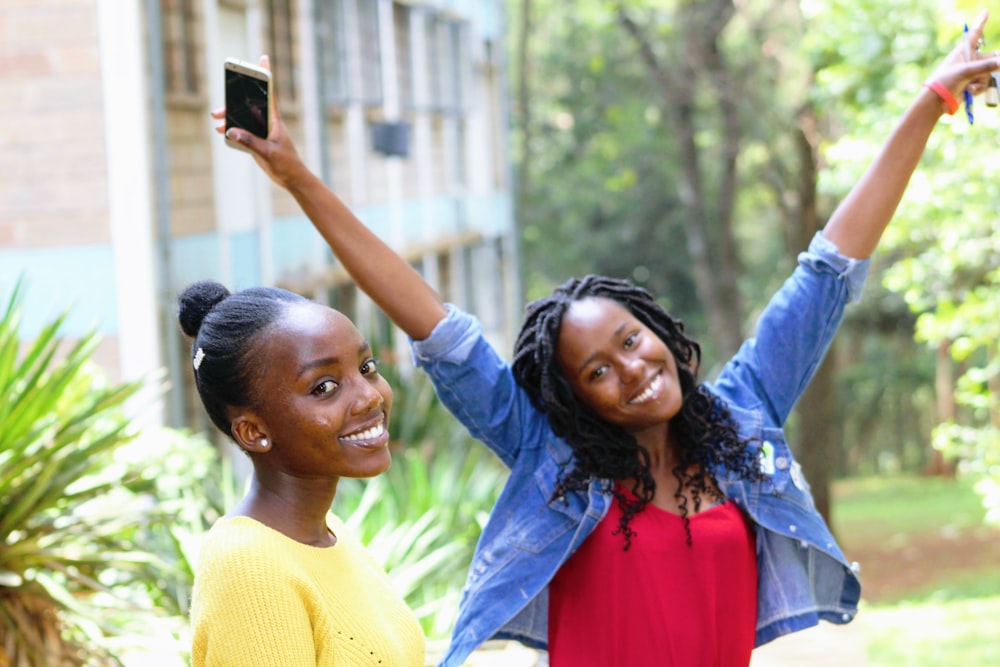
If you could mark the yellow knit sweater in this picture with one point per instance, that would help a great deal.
(263, 599)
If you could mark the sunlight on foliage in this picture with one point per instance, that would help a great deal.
(944, 239)
(78, 571)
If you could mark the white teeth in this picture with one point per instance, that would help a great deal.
(648, 391)
(368, 434)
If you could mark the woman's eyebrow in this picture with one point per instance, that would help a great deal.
(616, 334)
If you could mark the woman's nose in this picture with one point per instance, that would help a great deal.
(631, 368)
(369, 398)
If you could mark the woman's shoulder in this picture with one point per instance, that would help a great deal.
(239, 540)
(240, 550)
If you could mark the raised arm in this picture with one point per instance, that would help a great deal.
(857, 224)
(395, 286)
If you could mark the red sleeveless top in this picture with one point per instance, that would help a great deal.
(662, 603)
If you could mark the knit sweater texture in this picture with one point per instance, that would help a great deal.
(261, 598)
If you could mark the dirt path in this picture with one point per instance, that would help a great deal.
(899, 565)
(826, 645)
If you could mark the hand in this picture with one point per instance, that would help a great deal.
(276, 154)
(957, 72)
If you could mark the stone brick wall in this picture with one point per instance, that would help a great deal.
(192, 203)
(53, 190)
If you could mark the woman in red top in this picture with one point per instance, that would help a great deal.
(669, 576)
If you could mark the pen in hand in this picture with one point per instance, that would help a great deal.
(968, 57)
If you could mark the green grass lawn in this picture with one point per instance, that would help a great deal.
(953, 632)
(938, 622)
(870, 507)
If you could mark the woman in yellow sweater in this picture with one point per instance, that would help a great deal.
(279, 579)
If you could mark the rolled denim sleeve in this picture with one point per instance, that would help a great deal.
(853, 271)
(451, 339)
(772, 369)
(478, 386)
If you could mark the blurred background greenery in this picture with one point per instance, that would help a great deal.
(691, 146)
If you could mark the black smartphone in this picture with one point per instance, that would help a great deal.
(248, 91)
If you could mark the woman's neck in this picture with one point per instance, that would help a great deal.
(296, 510)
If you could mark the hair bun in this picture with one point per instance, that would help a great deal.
(195, 303)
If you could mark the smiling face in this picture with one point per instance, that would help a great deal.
(321, 403)
(618, 367)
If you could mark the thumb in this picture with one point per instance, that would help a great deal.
(244, 138)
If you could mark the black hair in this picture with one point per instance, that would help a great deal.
(704, 430)
(224, 328)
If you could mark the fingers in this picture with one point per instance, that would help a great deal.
(976, 73)
(979, 24)
(219, 114)
(970, 40)
(244, 138)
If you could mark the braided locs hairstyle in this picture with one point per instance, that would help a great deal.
(703, 427)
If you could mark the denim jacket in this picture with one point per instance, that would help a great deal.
(803, 576)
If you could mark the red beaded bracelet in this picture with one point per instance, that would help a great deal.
(950, 103)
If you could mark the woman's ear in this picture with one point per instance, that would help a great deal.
(250, 434)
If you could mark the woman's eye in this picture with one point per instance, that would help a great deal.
(370, 367)
(630, 340)
(598, 372)
(325, 388)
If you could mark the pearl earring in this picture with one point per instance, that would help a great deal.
(263, 443)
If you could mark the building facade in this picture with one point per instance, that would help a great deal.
(117, 192)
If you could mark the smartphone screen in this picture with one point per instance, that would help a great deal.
(246, 102)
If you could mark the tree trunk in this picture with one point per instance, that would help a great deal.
(947, 410)
(819, 434)
(708, 232)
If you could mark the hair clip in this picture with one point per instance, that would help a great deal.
(199, 356)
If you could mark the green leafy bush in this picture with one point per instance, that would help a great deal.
(88, 566)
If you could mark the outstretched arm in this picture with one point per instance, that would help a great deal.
(395, 286)
(857, 224)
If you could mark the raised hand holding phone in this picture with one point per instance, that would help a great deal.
(248, 95)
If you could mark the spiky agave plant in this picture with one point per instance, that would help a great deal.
(64, 534)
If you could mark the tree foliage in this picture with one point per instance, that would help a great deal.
(820, 84)
(944, 240)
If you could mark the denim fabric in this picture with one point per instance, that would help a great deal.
(803, 576)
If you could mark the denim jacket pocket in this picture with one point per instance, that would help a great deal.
(775, 460)
(537, 523)
(783, 472)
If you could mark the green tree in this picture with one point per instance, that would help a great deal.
(944, 240)
(677, 144)
(662, 135)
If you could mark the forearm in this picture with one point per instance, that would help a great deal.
(858, 223)
(392, 283)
